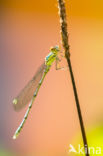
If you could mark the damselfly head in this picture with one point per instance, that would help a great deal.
(55, 49)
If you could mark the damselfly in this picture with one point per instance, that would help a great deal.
(30, 91)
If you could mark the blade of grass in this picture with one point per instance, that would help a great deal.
(64, 35)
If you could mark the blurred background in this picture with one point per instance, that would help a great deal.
(27, 31)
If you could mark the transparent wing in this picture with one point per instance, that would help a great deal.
(26, 94)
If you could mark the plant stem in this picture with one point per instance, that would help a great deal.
(64, 35)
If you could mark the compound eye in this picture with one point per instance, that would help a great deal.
(56, 47)
(52, 49)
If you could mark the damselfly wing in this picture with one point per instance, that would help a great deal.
(27, 92)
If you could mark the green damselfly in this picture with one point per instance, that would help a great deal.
(30, 91)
